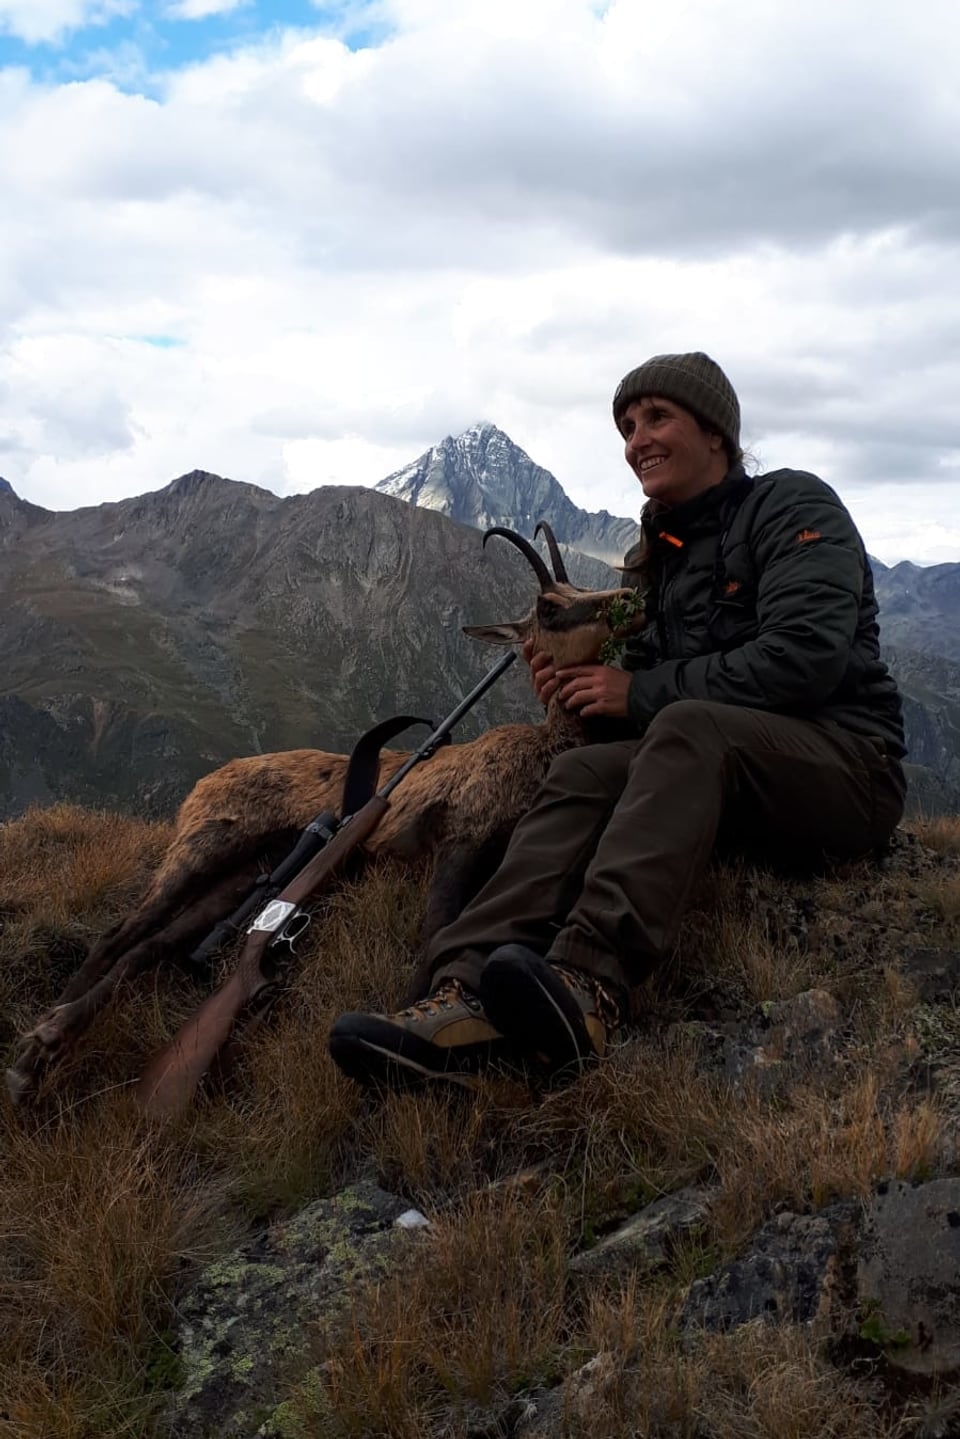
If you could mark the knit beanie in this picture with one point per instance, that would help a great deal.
(694, 381)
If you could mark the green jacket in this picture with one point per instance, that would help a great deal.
(760, 593)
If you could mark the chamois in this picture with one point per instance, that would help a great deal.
(459, 807)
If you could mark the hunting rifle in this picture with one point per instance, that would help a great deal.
(359, 784)
(172, 1075)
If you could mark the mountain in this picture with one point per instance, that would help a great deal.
(920, 606)
(147, 641)
(482, 478)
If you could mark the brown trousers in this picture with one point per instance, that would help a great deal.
(599, 872)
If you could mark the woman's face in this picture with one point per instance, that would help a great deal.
(673, 458)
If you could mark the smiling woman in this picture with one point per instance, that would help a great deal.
(753, 711)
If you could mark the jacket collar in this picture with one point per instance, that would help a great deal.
(701, 512)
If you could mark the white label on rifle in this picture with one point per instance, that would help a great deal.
(272, 916)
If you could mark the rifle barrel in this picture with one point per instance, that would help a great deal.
(452, 719)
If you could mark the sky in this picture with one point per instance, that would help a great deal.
(297, 243)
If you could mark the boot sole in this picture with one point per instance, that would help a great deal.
(362, 1058)
(521, 1001)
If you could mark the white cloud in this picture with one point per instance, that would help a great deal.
(38, 21)
(494, 213)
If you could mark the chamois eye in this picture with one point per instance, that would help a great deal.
(547, 610)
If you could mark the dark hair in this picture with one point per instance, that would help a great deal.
(733, 452)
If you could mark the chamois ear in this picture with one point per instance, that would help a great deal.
(514, 632)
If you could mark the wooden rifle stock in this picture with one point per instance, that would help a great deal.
(171, 1077)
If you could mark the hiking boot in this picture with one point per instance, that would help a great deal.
(559, 1014)
(441, 1037)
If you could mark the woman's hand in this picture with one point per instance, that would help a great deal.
(542, 673)
(593, 690)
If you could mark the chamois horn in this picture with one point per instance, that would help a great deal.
(547, 581)
(559, 568)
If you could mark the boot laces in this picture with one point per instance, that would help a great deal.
(445, 997)
(606, 1005)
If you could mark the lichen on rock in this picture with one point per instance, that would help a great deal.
(244, 1327)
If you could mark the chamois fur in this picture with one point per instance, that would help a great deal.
(458, 807)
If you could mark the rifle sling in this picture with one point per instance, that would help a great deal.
(363, 768)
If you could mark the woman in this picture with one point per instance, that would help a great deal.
(756, 713)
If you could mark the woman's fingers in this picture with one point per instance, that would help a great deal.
(543, 675)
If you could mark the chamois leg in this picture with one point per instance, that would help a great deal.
(458, 874)
(193, 863)
(54, 1036)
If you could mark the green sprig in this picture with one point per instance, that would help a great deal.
(619, 613)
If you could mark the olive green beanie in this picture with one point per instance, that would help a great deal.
(694, 381)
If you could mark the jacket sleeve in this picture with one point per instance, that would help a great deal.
(810, 564)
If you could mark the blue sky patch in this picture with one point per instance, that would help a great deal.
(160, 342)
(130, 49)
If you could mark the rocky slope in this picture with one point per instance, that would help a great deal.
(145, 642)
(745, 1221)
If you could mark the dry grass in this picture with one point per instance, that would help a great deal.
(66, 874)
(102, 1214)
(755, 1383)
(942, 898)
(651, 1120)
(941, 834)
(478, 1313)
(95, 1217)
(64, 867)
(739, 935)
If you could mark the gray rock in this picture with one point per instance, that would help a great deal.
(646, 1240)
(934, 973)
(793, 1037)
(785, 1040)
(244, 1327)
(908, 1275)
(789, 1274)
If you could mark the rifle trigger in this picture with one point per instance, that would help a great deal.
(292, 930)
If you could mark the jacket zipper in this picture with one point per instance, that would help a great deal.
(667, 631)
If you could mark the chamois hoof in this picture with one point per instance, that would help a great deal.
(20, 1087)
(39, 1051)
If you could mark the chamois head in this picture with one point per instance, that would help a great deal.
(569, 624)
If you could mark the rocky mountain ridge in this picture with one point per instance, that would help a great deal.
(148, 640)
